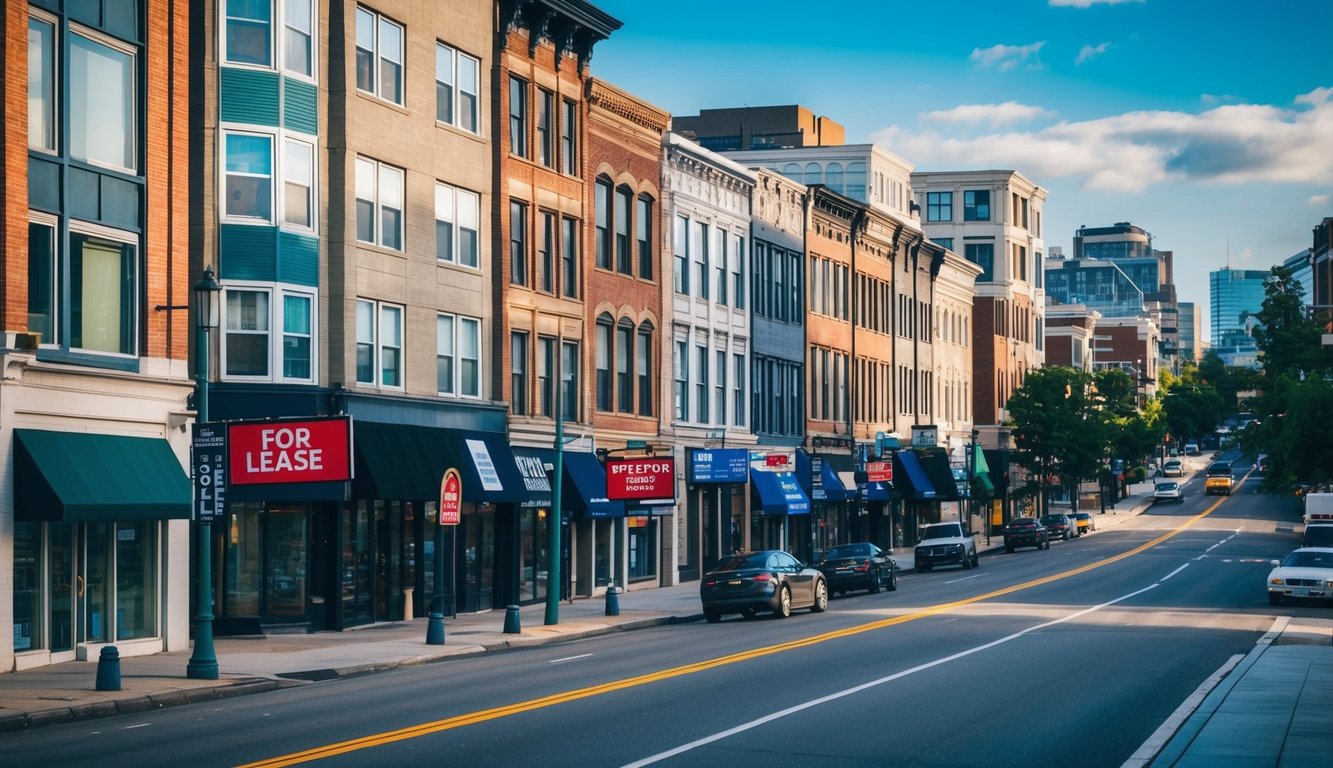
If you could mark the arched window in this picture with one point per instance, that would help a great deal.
(793, 171)
(624, 375)
(814, 173)
(602, 354)
(644, 370)
(833, 177)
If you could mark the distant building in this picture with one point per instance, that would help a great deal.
(1302, 271)
(1235, 296)
(1190, 346)
(1069, 333)
(741, 128)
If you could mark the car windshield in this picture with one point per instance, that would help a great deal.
(1219, 468)
(1168, 486)
(941, 531)
(1174, 463)
(1051, 519)
(850, 550)
(1309, 559)
(742, 560)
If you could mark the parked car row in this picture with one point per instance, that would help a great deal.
(776, 582)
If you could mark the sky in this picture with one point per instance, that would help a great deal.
(1208, 124)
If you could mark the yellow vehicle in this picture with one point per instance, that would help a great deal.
(1219, 479)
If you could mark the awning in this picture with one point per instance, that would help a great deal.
(877, 491)
(983, 480)
(89, 478)
(936, 463)
(831, 487)
(583, 489)
(779, 493)
(909, 477)
(407, 461)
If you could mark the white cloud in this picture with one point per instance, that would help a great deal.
(992, 114)
(1231, 144)
(1089, 3)
(1318, 201)
(1090, 52)
(1007, 57)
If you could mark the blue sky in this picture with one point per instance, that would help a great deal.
(1209, 124)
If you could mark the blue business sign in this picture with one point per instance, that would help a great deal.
(719, 465)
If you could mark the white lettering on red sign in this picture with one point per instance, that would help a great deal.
(284, 449)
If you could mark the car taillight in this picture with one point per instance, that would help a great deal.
(762, 577)
(863, 567)
(710, 583)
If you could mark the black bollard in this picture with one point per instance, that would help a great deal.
(108, 669)
(612, 600)
(512, 623)
(435, 629)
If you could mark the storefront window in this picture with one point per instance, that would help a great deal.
(136, 580)
(61, 585)
(356, 592)
(241, 553)
(27, 586)
(287, 559)
(642, 545)
(97, 589)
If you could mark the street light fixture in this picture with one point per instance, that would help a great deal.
(203, 664)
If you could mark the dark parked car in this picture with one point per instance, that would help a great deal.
(858, 566)
(1058, 525)
(772, 580)
(1025, 532)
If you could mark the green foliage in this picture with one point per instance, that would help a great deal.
(1192, 408)
(1058, 426)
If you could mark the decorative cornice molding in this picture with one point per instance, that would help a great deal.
(617, 102)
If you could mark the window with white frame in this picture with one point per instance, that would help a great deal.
(738, 389)
(41, 83)
(298, 183)
(248, 166)
(681, 365)
(379, 203)
(701, 383)
(379, 344)
(737, 258)
(250, 349)
(518, 387)
(104, 287)
(680, 245)
(720, 386)
(248, 32)
(457, 218)
(720, 260)
(699, 248)
(458, 355)
(457, 85)
(379, 55)
(103, 111)
(298, 36)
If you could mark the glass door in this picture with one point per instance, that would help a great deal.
(286, 585)
(95, 587)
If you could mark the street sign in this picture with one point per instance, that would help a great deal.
(879, 471)
(451, 497)
(208, 451)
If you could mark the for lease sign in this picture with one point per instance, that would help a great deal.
(640, 479)
(312, 451)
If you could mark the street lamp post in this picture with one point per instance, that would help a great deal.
(971, 470)
(203, 664)
(553, 582)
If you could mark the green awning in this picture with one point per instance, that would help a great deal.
(88, 478)
(983, 480)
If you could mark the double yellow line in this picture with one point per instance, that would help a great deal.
(495, 713)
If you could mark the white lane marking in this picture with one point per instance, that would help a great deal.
(873, 683)
(138, 725)
(569, 658)
(1173, 573)
(1145, 753)
(965, 578)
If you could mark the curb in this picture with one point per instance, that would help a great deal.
(20, 721)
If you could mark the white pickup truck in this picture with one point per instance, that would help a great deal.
(945, 543)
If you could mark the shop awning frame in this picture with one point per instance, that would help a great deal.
(779, 493)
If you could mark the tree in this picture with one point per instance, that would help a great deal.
(1287, 337)
(1192, 408)
(1058, 430)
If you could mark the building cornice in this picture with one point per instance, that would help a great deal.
(604, 96)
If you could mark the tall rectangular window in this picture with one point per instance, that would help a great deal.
(601, 244)
(379, 203)
(365, 342)
(546, 376)
(738, 389)
(939, 206)
(518, 363)
(602, 355)
(681, 373)
(379, 344)
(777, 271)
(298, 184)
(469, 357)
(247, 333)
(518, 116)
(545, 140)
(569, 160)
(643, 223)
(680, 246)
(759, 279)
(43, 281)
(103, 108)
(720, 259)
(546, 252)
(983, 255)
(456, 87)
(446, 355)
(298, 32)
(248, 168)
(701, 384)
(720, 387)
(976, 205)
(457, 215)
(41, 85)
(518, 243)
(699, 247)
(569, 379)
(569, 256)
(737, 257)
(624, 260)
(297, 355)
(643, 355)
(624, 382)
(248, 33)
(104, 295)
(391, 346)
(379, 56)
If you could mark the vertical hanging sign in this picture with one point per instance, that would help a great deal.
(451, 497)
(208, 452)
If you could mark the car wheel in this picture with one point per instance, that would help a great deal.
(966, 562)
(874, 581)
(893, 579)
(821, 597)
(783, 608)
(1274, 598)
(923, 568)
(712, 617)
(1008, 550)
(976, 562)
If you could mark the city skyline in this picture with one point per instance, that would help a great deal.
(1124, 111)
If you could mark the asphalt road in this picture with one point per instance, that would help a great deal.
(1074, 655)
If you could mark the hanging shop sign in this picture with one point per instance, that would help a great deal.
(209, 459)
(719, 465)
(306, 451)
(641, 479)
(925, 435)
(451, 497)
(879, 471)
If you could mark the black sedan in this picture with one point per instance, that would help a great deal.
(858, 566)
(1025, 532)
(772, 580)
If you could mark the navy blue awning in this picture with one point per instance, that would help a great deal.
(779, 493)
(486, 463)
(583, 488)
(877, 491)
(831, 487)
(909, 477)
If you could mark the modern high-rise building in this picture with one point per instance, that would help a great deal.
(1235, 298)
(1191, 348)
(1321, 264)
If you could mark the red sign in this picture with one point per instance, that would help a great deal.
(776, 459)
(314, 451)
(879, 471)
(639, 479)
(451, 497)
